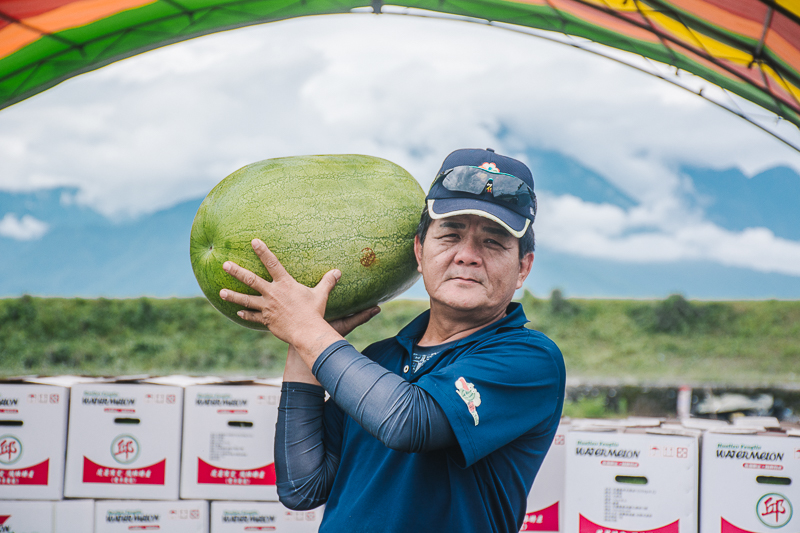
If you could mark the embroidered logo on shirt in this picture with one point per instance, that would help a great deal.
(470, 396)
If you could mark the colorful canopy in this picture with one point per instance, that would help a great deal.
(749, 47)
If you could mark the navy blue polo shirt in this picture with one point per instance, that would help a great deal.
(502, 389)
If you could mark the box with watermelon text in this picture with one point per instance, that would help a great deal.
(750, 481)
(124, 441)
(123, 516)
(229, 435)
(33, 438)
(65, 516)
(632, 479)
(244, 517)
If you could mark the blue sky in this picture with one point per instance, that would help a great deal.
(149, 132)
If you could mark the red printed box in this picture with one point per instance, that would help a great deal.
(229, 431)
(124, 441)
(123, 516)
(546, 497)
(33, 437)
(632, 479)
(247, 517)
(749, 480)
(65, 516)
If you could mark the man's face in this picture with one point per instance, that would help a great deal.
(470, 263)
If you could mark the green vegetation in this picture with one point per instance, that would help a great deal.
(674, 340)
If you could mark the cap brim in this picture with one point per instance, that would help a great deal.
(514, 223)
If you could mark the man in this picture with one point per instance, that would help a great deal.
(443, 427)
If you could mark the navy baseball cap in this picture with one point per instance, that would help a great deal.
(484, 183)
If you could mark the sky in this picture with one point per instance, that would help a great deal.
(148, 132)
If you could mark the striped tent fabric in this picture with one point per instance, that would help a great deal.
(748, 47)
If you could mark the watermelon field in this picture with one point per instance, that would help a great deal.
(671, 341)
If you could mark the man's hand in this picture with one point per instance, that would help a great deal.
(293, 312)
(345, 325)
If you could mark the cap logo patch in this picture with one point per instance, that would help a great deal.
(470, 395)
(490, 167)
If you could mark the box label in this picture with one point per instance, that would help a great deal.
(208, 473)
(587, 526)
(774, 510)
(542, 520)
(10, 449)
(32, 475)
(145, 475)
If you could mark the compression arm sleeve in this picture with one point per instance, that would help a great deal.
(307, 444)
(304, 465)
(401, 415)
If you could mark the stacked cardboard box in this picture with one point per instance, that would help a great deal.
(123, 460)
(632, 476)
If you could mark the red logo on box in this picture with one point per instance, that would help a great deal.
(207, 473)
(587, 526)
(542, 520)
(145, 475)
(32, 475)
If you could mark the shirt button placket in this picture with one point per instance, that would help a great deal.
(405, 369)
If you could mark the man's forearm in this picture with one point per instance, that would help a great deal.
(304, 467)
(296, 370)
(400, 414)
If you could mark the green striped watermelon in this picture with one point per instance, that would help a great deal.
(356, 213)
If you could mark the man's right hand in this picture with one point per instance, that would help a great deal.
(345, 325)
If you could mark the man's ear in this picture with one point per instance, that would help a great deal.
(418, 253)
(525, 265)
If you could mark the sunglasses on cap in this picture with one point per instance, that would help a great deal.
(503, 187)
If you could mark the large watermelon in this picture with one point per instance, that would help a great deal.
(352, 212)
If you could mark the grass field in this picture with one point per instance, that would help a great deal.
(674, 340)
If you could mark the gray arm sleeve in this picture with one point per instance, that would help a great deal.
(401, 415)
(308, 440)
(304, 467)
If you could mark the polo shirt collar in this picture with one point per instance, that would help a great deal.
(409, 335)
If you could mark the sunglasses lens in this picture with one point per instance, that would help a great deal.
(466, 179)
(512, 190)
(505, 187)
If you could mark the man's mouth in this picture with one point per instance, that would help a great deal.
(465, 280)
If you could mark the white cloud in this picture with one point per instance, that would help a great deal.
(26, 228)
(568, 224)
(147, 132)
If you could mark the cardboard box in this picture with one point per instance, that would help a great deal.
(229, 431)
(631, 479)
(124, 441)
(26, 516)
(181, 516)
(33, 439)
(66, 516)
(73, 516)
(749, 482)
(546, 498)
(240, 517)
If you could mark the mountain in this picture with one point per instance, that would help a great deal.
(85, 254)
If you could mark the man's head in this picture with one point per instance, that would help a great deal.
(510, 206)
(475, 242)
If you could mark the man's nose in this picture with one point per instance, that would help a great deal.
(468, 253)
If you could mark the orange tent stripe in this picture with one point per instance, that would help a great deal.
(747, 26)
(72, 15)
(604, 20)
